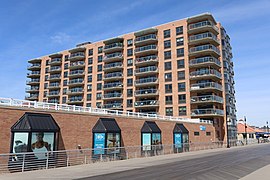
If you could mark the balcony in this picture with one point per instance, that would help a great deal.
(53, 94)
(77, 56)
(204, 38)
(206, 86)
(206, 112)
(76, 73)
(205, 62)
(145, 50)
(76, 82)
(76, 65)
(55, 77)
(113, 57)
(32, 61)
(75, 91)
(146, 103)
(55, 61)
(112, 96)
(113, 86)
(35, 66)
(113, 66)
(53, 101)
(147, 39)
(32, 97)
(33, 74)
(32, 82)
(32, 89)
(202, 26)
(147, 60)
(205, 74)
(150, 70)
(113, 47)
(54, 86)
(75, 100)
(113, 106)
(146, 81)
(113, 76)
(55, 69)
(204, 50)
(206, 99)
(146, 92)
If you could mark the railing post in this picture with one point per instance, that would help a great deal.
(56, 106)
(67, 160)
(23, 163)
(47, 160)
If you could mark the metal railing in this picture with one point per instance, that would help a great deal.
(206, 85)
(146, 103)
(114, 45)
(146, 91)
(78, 54)
(146, 48)
(145, 38)
(204, 60)
(90, 110)
(113, 105)
(203, 36)
(205, 72)
(202, 24)
(207, 98)
(36, 65)
(113, 65)
(55, 60)
(31, 161)
(146, 69)
(198, 112)
(113, 85)
(203, 48)
(146, 59)
(112, 95)
(146, 80)
(113, 55)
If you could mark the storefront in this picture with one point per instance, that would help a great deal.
(106, 137)
(151, 136)
(180, 138)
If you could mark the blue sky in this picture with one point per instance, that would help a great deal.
(33, 28)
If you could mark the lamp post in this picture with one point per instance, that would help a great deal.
(227, 127)
(246, 129)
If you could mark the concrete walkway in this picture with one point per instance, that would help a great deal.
(90, 170)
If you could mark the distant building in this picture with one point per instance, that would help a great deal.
(251, 133)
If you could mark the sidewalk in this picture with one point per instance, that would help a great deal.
(261, 174)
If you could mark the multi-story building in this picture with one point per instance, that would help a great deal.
(182, 68)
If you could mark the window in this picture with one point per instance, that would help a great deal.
(129, 42)
(167, 55)
(168, 88)
(180, 41)
(167, 66)
(66, 57)
(196, 133)
(65, 82)
(88, 104)
(66, 66)
(167, 44)
(182, 110)
(89, 78)
(130, 62)
(45, 94)
(89, 97)
(168, 77)
(168, 99)
(90, 69)
(90, 52)
(181, 99)
(89, 87)
(99, 77)
(98, 105)
(169, 111)
(181, 75)
(47, 62)
(45, 85)
(46, 77)
(167, 33)
(46, 70)
(90, 60)
(180, 52)
(64, 99)
(179, 30)
(208, 133)
(99, 67)
(181, 87)
(100, 49)
(65, 91)
(100, 58)
(129, 103)
(129, 92)
(130, 82)
(130, 72)
(99, 86)
(99, 96)
(130, 52)
(65, 74)
(180, 63)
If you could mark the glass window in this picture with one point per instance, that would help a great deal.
(167, 44)
(168, 77)
(99, 86)
(169, 111)
(47, 62)
(167, 33)
(129, 103)
(180, 41)
(129, 42)
(100, 58)
(100, 49)
(89, 79)
(90, 60)
(113, 141)
(46, 77)
(90, 69)
(179, 30)
(65, 91)
(130, 82)
(90, 52)
(180, 63)
(168, 88)
(42, 142)
(66, 57)
(181, 98)
(181, 75)
(99, 96)
(181, 87)
(89, 87)
(146, 141)
(167, 66)
(196, 133)
(180, 52)
(209, 134)
(65, 82)
(130, 52)
(168, 100)
(182, 110)
(99, 77)
(88, 104)
(130, 72)
(156, 138)
(167, 55)
(89, 97)
(66, 66)
(46, 70)
(20, 142)
(130, 62)
(99, 67)
(65, 74)
(129, 92)
(64, 99)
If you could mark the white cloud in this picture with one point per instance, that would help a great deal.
(60, 38)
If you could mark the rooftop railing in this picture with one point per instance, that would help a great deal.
(36, 65)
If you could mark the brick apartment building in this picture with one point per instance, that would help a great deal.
(182, 68)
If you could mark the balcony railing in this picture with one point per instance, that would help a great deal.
(146, 80)
(33, 81)
(54, 85)
(54, 93)
(146, 38)
(207, 35)
(207, 85)
(146, 70)
(77, 64)
(77, 55)
(55, 77)
(205, 72)
(53, 101)
(34, 66)
(204, 61)
(33, 73)
(202, 24)
(202, 48)
(113, 85)
(146, 48)
(112, 95)
(31, 97)
(55, 69)
(113, 65)
(146, 92)
(75, 100)
(207, 98)
(207, 112)
(113, 106)
(113, 75)
(146, 103)
(75, 81)
(75, 91)
(76, 72)
(146, 59)
(31, 89)
(113, 47)
(56, 61)
(113, 56)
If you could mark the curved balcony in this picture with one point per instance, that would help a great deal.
(113, 67)
(204, 50)
(55, 69)
(206, 99)
(33, 74)
(113, 106)
(146, 103)
(206, 86)
(54, 86)
(53, 94)
(113, 76)
(113, 86)
(32, 89)
(32, 61)
(55, 61)
(150, 70)
(76, 65)
(206, 112)
(76, 73)
(147, 39)
(75, 91)
(145, 50)
(205, 74)
(146, 92)
(55, 77)
(205, 62)
(113, 47)
(112, 96)
(77, 56)
(147, 60)
(75, 82)
(202, 27)
(146, 81)
(204, 38)
(35, 66)
(113, 57)
(33, 97)
(33, 82)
